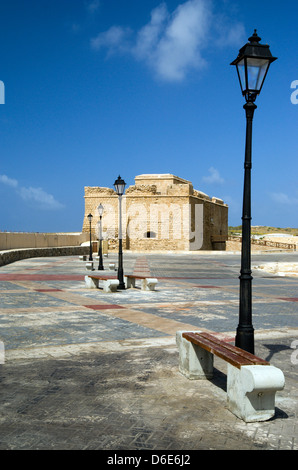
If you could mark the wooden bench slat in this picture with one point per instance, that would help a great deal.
(102, 278)
(251, 357)
(132, 276)
(235, 356)
(218, 350)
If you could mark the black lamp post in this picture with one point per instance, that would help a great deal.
(90, 220)
(252, 64)
(120, 187)
(100, 212)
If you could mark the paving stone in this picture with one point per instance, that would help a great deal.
(89, 370)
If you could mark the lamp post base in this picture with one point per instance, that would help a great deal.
(121, 284)
(120, 267)
(100, 264)
(245, 339)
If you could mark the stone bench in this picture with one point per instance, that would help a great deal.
(251, 381)
(89, 266)
(109, 284)
(148, 283)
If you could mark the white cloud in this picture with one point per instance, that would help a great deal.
(38, 196)
(93, 6)
(114, 39)
(282, 198)
(172, 44)
(149, 36)
(228, 33)
(234, 35)
(214, 177)
(8, 181)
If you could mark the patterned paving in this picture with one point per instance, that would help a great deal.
(90, 370)
(45, 302)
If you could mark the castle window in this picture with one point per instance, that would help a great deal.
(150, 234)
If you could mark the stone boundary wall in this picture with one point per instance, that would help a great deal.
(11, 240)
(10, 256)
(270, 243)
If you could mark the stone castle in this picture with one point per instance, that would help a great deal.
(160, 212)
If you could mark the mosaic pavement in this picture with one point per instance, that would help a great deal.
(47, 314)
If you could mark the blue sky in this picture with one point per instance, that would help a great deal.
(98, 88)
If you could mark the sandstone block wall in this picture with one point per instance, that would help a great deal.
(160, 212)
(12, 240)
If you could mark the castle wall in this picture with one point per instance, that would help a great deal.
(161, 212)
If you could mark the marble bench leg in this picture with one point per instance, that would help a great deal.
(89, 266)
(129, 282)
(251, 391)
(91, 283)
(194, 362)
(149, 283)
(110, 285)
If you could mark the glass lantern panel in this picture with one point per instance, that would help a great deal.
(120, 189)
(256, 71)
(100, 209)
(241, 74)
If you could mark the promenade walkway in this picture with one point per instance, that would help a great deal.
(89, 370)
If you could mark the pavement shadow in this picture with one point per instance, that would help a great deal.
(274, 349)
(279, 414)
(219, 379)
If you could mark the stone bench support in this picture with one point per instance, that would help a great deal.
(147, 283)
(251, 391)
(109, 285)
(251, 388)
(89, 266)
(194, 362)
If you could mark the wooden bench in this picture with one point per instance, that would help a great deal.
(251, 381)
(109, 284)
(148, 283)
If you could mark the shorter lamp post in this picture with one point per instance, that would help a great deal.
(90, 220)
(100, 212)
(252, 65)
(119, 187)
